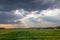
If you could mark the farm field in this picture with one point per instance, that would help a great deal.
(30, 34)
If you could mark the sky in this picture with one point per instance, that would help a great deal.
(29, 13)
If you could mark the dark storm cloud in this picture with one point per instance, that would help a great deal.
(15, 4)
(26, 4)
(7, 17)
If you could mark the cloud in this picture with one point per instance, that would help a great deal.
(38, 18)
(10, 17)
(44, 18)
(51, 15)
(30, 12)
(8, 5)
(7, 17)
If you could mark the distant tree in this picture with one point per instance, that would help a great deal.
(58, 27)
(2, 28)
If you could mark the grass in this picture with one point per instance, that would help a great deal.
(30, 34)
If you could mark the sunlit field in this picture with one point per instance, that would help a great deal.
(29, 34)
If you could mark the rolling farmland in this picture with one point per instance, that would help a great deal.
(29, 34)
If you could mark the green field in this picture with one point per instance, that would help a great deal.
(30, 34)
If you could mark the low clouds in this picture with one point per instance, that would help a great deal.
(45, 18)
(38, 18)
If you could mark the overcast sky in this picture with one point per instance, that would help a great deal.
(31, 13)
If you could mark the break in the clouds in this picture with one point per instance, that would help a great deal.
(33, 13)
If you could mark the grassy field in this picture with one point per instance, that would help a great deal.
(30, 34)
